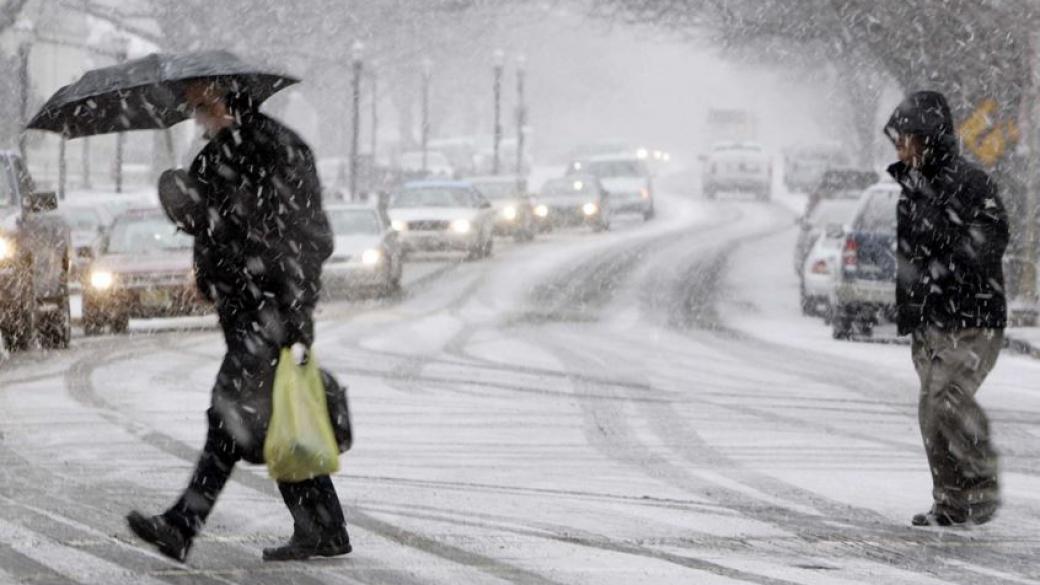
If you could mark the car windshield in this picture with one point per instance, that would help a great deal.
(146, 234)
(82, 219)
(829, 212)
(613, 168)
(559, 187)
(349, 222)
(879, 212)
(500, 190)
(432, 197)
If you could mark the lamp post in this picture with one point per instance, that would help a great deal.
(374, 131)
(499, 64)
(427, 68)
(355, 126)
(521, 119)
(25, 32)
(119, 44)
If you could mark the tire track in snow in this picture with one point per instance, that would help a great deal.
(80, 386)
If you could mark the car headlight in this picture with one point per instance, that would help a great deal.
(509, 213)
(371, 257)
(461, 226)
(590, 209)
(541, 211)
(398, 225)
(101, 280)
(6, 249)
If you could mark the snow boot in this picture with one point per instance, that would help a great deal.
(158, 531)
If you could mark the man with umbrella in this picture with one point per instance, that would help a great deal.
(252, 199)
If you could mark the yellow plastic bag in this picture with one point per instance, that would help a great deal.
(300, 444)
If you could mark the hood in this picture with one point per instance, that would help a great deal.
(145, 263)
(356, 244)
(925, 114)
(624, 184)
(431, 213)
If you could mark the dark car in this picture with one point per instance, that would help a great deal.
(34, 262)
(840, 184)
(145, 270)
(573, 200)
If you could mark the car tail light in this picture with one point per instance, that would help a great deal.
(850, 254)
(820, 267)
(644, 193)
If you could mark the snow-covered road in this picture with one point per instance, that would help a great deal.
(645, 406)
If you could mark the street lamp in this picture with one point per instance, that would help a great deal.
(355, 128)
(499, 57)
(521, 119)
(25, 33)
(119, 45)
(374, 131)
(427, 68)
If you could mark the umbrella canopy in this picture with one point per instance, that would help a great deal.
(147, 93)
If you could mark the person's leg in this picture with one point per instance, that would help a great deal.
(319, 528)
(212, 471)
(935, 445)
(971, 471)
(955, 429)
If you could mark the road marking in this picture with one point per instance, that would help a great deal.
(73, 563)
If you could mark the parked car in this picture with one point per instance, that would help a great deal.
(432, 216)
(626, 178)
(88, 225)
(737, 167)
(367, 254)
(145, 270)
(573, 200)
(514, 214)
(805, 165)
(865, 292)
(837, 211)
(35, 258)
(821, 271)
(840, 184)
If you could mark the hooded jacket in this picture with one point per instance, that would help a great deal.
(952, 228)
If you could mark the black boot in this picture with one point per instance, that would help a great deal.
(300, 548)
(160, 532)
(940, 516)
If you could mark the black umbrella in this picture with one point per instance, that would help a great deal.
(147, 93)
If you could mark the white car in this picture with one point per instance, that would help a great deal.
(821, 271)
(437, 216)
(625, 177)
(737, 167)
(367, 255)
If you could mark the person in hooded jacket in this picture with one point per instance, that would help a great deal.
(261, 236)
(952, 232)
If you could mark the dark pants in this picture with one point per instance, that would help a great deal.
(314, 506)
(951, 366)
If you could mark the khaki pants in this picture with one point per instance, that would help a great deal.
(952, 366)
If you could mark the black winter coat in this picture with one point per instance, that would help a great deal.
(266, 235)
(258, 255)
(952, 229)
